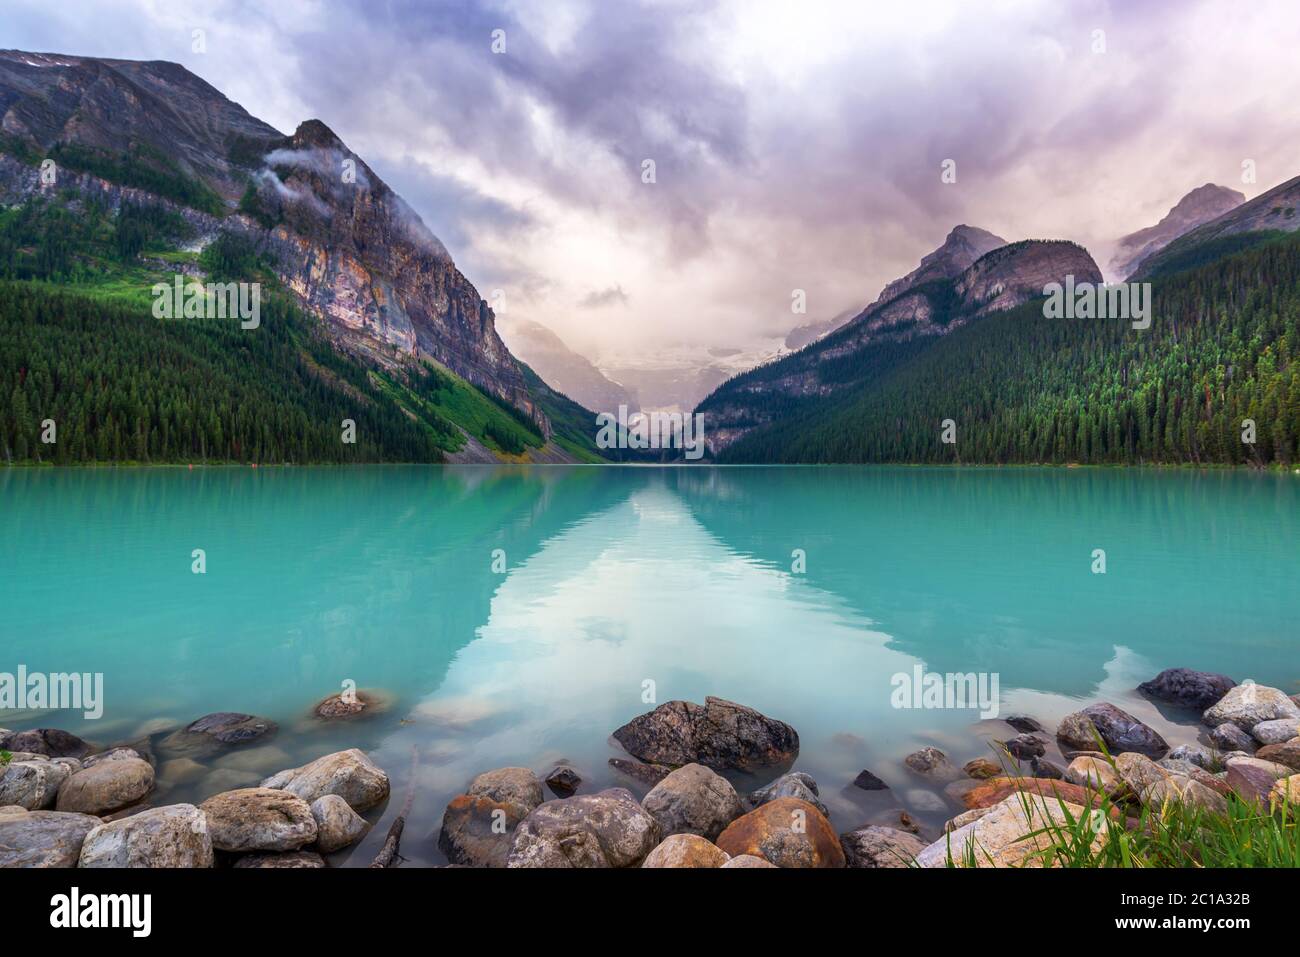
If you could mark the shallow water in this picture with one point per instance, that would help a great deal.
(618, 576)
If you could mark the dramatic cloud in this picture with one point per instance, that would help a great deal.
(599, 299)
(794, 145)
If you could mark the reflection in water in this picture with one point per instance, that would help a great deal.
(615, 577)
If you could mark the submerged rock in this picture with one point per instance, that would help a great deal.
(477, 831)
(1118, 730)
(719, 734)
(563, 781)
(50, 742)
(693, 800)
(43, 838)
(1188, 688)
(1248, 704)
(686, 850)
(174, 836)
(337, 825)
(869, 782)
(347, 704)
(874, 846)
(650, 774)
(105, 787)
(796, 784)
(786, 832)
(215, 732)
(349, 774)
(981, 769)
(607, 829)
(932, 763)
(1023, 723)
(1024, 747)
(259, 819)
(294, 859)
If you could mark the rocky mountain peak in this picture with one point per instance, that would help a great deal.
(1201, 205)
(962, 246)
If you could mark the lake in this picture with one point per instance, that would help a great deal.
(517, 616)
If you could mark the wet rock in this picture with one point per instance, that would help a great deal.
(1287, 753)
(956, 791)
(1201, 756)
(347, 704)
(1011, 834)
(1229, 737)
(1094, 774)
(259, 819)
(869, 782)
(1190, 689)
(349, 774)
(686, 850)
(607, 829)
(42, 838)
(105, 787)
(300, 860)
(918, 799)
(1253, 778)
(337, 825)
(216, 732)
(981, 769)
(1118, 729)
(50, 742)
(173, 836)
(1043, 768)
(932, 763)
(1248, 704)
(478, 831)
(32, 785)
(719, 734)
(694, 800)
(1023, 723)
(1276, 731)
(650, 774)
(1024, 747)
(113, 754)
(747, 860)
(795, 784)
(180, 771)
(563, 781)
(518, 786)
(874, 846)
(786, 832)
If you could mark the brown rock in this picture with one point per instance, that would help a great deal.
(686, 850)
(786, 832)
(982, 769)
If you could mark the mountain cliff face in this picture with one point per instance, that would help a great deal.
(933, 300)
(1199, 206)
(350, 248)
(565, 370)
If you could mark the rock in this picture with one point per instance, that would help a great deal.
(517, 786)
(1253, 778)
(686, 850)
(1287, 753)
(981, 769)
(1229, 737)
(106, 787)
(337, 825)
(874, 846)
(113, 754)
(563, 781)
(1190, 689)
(1276, 731)
(1118, 730)
(996, 790)
(478, 831)
(964, 818)
(259, 819)
(607, 829)
(719, 734)
(1180, 789)
(956, 791)
(1023, 723)
(1201, 756)
(1248, 704)
(214, 732)
(650, 774)
(869, 782)
(293, 859)
(1285, 791)
(1043, 768)
(1095, 774)
(349, 774)
(932, 763)
(919, 799)
(747, 860)
(1138, 772)
(1023, 747)
(50, 742)
(786, 832)
(1013, 833)
(346, 704)
(42, 838)
(796, 784)
(180, 771)
(32, 785)
(173, 836)
(695, 800)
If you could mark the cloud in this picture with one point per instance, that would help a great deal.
(599, 299)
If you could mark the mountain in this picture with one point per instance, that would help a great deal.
(1267, 216)
(565, 370)
(801, 336)
(1199, 206)
(332, 238)
(938, 297)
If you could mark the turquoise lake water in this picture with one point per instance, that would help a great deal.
(618, 576)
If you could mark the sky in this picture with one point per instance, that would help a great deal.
(796, 145)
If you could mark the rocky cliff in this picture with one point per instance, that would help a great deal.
(1199, 206)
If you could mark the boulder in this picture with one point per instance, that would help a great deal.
(1024, 747)
(932, 763)
(106, 787)
(32, 785)
(50, 742)
(1023, 723)
(982, 769)
(349, 774)
(719, 734)
(1285, 791)
(1277, 731)
(1044, 768)
(337, 825)
(517, 786)
(1118, 729)
(873, 846)
(694, 800)
(748, 860)
(648, 774)
(1228, 737)
(607, 829)
(1094, 774)
(1248, 704)
(217, 731)
(294, 859)
(1188, 770)
(869, 782)
(996, 790)
(1199, 755)
(43, 838)
(347, 704)
(686, 850)
(1188, 688)
(259, 819)
(563, 781)
(1138, 772)
(965, 817)
(1253, 778)
(786, 832)
(173, 836)
(795, 784)
(1013, 833)
(1180, 789)
(1287, 753)
(112, 754)
(478, 831)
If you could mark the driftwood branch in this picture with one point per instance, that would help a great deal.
(389, 852)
